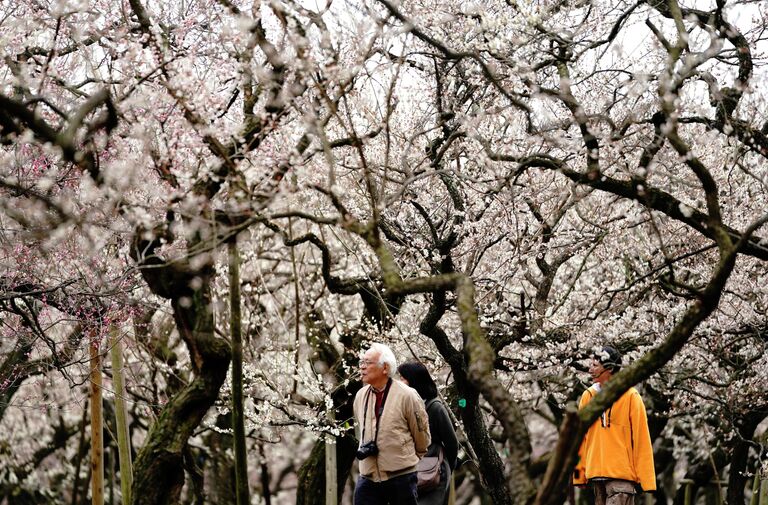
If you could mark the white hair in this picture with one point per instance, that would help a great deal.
(386, 356)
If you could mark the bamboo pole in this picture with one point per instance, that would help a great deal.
(331, 491)
(241, 464)
(97, 425)
(688, 496)
(763, 492)
(755, 489)
(121, 416)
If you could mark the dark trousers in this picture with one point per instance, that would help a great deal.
(400, 490)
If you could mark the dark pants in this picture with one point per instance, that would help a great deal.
(400, 490)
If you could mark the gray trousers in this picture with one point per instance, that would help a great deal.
(613, 492)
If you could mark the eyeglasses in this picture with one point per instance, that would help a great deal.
(367, 362)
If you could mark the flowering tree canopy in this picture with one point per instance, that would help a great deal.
(495, 188)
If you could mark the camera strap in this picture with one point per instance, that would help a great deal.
(378, 411)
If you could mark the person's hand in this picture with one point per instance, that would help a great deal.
(639, 490)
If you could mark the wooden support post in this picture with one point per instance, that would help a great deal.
(755, 489)
(688, 496)
(97, 424)
(238, 427)
(121, 416)
(331, 492)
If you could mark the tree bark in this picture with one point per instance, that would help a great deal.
(491, 468)
(196, 494)
(312, 473)
(159, 474)
(266, 492)
(737, 480)
(81, 448)
(159, 468)
(219, 468)
(241, 457)
(480, 371)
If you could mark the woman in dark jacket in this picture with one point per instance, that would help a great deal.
(417, 376)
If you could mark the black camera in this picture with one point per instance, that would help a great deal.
(366, 450)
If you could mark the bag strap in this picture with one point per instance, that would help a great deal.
(431, 402)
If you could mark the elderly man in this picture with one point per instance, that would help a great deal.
(616, 455)
(393, 430)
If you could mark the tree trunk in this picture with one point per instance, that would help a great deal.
(159, 466)
(196, 494)
(491, 468)
(159, 474)
(241, 457)
(219, 468)
(159, 471)
(12, 371)
(111, 462)
(737, 480)
(81, 448)
(266, 492)
(312, 472)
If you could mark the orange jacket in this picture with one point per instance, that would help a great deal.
(618, 445)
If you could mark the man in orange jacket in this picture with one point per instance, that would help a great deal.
(616, 454)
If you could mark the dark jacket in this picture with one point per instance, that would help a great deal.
(443, 434)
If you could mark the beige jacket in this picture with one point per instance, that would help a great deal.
(403, 435)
